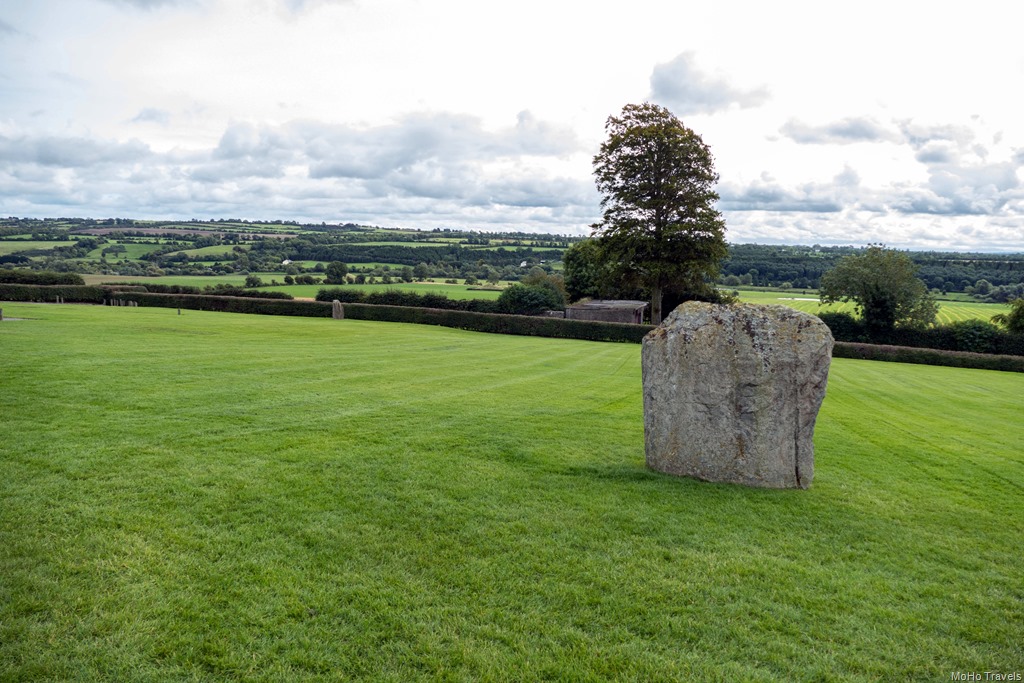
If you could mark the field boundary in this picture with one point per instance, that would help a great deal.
(494, 323)
(920, 356)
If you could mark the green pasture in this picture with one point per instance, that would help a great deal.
(186, 280)
(955, 311)
(509, 247)
(12, 246)
(396, 243)
(235, 497)
(949, 311)
(459, 292)
(132, 252)
(216, 250)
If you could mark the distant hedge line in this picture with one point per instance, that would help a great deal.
(397, 297)
(534, 326)
(467, 320)
(215, 290)
(82, 294)
(470, 320)
(974, 336)
(39, 277)
(229, 304)
(908, 354)
(97, 294)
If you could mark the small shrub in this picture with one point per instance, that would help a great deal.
(977, 336)
(341, 294)
(844, 326)
(529, 300)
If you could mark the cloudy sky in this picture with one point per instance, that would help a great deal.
(895, 122)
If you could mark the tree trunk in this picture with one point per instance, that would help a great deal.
(656, 305)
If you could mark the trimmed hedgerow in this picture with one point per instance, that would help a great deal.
(345, 295)
(215, 290)
(975, 336)
(397, 297)
(534, 326)
(39, 277)
(907, 354)
(229, 304)
(45, 293)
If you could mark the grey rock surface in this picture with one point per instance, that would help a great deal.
(731, 393)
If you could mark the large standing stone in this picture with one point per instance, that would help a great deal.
(731, 393)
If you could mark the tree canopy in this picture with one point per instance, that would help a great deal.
(883, 284)
(336, 272)
(659, 225)
(1014, 320)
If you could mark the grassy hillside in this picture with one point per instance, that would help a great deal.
(10, 247)
(214, 496)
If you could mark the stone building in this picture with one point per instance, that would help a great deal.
(608, 310)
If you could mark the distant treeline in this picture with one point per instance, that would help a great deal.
(802, 267)
(996, 277)
(454, 254)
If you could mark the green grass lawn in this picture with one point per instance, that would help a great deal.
(215, 496)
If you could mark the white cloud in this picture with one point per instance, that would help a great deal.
(422, 164)
(150, 4)
(685, 89)
(153, 115)
(7, 30)
(460, 114)
(846, 131)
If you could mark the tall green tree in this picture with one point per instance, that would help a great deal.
(335, 272)
(659, 226)
(1014, 320)
(883, 284)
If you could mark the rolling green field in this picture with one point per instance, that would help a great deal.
(217, 250)
(133, 251)
(236, 280)
(458, 292)
(12, 246)
(949, 311)
(212, 496)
